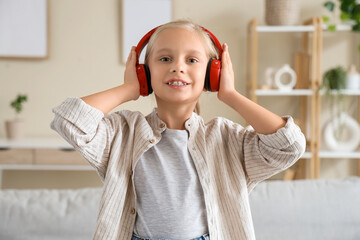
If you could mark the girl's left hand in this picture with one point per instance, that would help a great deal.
(227, 75)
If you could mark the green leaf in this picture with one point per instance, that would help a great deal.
(344, 16)
(347, 6)
(325, 19)
(330, 5)
(355, 12)
(17, 104)
(357, 17)
(332, 28)
(359, 48)
(356, 27)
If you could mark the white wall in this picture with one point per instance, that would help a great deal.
(85, 58)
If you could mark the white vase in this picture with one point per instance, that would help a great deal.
(14, 129)
(349, 125)
(353, 78)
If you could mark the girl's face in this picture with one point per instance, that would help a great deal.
(178, 66)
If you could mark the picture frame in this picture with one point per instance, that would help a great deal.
(24, 29)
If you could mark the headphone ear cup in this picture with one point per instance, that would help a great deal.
(144, 78)
(212, 77)
(148, 79)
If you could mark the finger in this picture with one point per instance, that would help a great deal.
(225, 60)
(131, 56)
(227, 55)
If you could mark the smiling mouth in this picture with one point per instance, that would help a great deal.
(177, 83)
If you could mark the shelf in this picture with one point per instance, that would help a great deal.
(334, 154)
(306, 155)
(349, 92)
(277, 92)
(46, 167)
(285, 28)
(40, 142)
(299, 28)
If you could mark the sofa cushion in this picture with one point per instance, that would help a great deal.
(307, 209)
(48, 214)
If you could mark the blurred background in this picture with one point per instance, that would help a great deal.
(85, 55)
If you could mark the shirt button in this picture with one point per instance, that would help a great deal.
(152, 140)
(162, 125)
(132, 211)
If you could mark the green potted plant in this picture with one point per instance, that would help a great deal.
(14, 127)
(349, 12)
(333, 81)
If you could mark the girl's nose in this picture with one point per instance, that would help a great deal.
(177, 66)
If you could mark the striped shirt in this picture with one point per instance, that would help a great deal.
(230, 161)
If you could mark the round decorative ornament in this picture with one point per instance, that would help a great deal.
(287, 85)
(351, 130)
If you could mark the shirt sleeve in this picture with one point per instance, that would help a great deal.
(266, 155)
(87, 130)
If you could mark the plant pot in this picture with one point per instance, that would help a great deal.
(281, 12)
(14, 129)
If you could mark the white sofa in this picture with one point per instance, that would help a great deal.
(307, 209)
(303, 209)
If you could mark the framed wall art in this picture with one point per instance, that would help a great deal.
(24, 29)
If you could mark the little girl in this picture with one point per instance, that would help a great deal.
(169, 175)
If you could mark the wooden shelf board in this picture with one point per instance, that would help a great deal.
(306, 155)
(45, 167)
(335, 154)
(36, 142)
(299, 28)
(349, 92)
(277, 92)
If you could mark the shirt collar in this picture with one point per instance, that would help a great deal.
(159, 126)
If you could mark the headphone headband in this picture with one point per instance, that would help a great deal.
(145, 39)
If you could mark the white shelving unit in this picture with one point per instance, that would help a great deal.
(348, 92)
(345, 155)
(298, 28)
(304, 89)
(311, 91)
(277, 92)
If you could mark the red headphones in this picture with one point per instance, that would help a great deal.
(212, 77)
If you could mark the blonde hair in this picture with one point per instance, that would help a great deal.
(212, 51)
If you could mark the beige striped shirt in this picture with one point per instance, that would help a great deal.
(230, 161)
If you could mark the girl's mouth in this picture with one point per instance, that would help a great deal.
(177, 83)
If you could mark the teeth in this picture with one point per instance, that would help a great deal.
(177, 83)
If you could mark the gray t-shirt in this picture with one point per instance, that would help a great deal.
(170, 200)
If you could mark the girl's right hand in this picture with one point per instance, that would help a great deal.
(130, 76)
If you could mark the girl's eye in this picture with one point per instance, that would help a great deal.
(165, 59)
(193, 60)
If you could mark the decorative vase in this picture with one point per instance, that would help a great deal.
(14, 129)
(347, 126)
(281, 12)
(353, 78)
